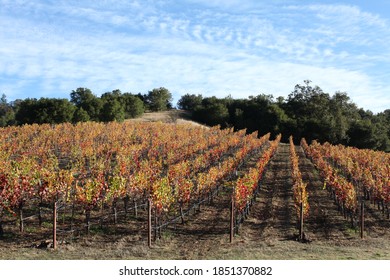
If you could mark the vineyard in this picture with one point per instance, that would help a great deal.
(148, 185)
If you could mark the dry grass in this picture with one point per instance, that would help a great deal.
(172, 116)
(174, 247)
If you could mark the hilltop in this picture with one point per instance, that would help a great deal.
(171, 116)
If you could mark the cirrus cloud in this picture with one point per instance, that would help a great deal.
(207, 47)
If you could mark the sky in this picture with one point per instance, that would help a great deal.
(209, 47)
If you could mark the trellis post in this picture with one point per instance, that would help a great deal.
(55, 224)
(149, 223)
(232, 219)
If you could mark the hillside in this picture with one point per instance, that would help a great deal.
(171, 116)
(269, 232)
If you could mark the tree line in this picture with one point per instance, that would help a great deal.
(83, 106)
(307, 112)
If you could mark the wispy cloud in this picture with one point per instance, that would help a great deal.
(208, 47)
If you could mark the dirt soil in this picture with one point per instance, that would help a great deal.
(270, 232)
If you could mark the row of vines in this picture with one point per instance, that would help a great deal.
(301, 198)
(353, 176)
(90, 167)
(246, 187)
(87, 168)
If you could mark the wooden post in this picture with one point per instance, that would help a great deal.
(63, 214)
(362, 219)
(126, 204)
(159, 229)
(40, 215)
(181, 213)
(1, 224)
(87, 218)
(115, 212)
(155, 226)
(135, 208)
(101, 214)
(344, 211)
(115, 215)
(301, 223)
(21, 223)
(55, 225)
(72, 216)
(1, 227)
(149, 223)
(232, 220)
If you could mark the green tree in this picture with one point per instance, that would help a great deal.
(380, 132)
(190, 101)
(311, 109)
(133, 105)
(112, 111)
(385, 119)
(84, 98)
(7, 113)
(361, 134)
(344, 113)
(26, 111)
(59, 110)
(212, 114)
(44, 110)
(159, 99)
(80, 115)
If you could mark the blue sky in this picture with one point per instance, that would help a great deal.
(208, 47)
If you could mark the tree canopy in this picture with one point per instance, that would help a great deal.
(159, 99)
(83, 106)
(307, 112)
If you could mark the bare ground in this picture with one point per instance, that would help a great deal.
(269, 232)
